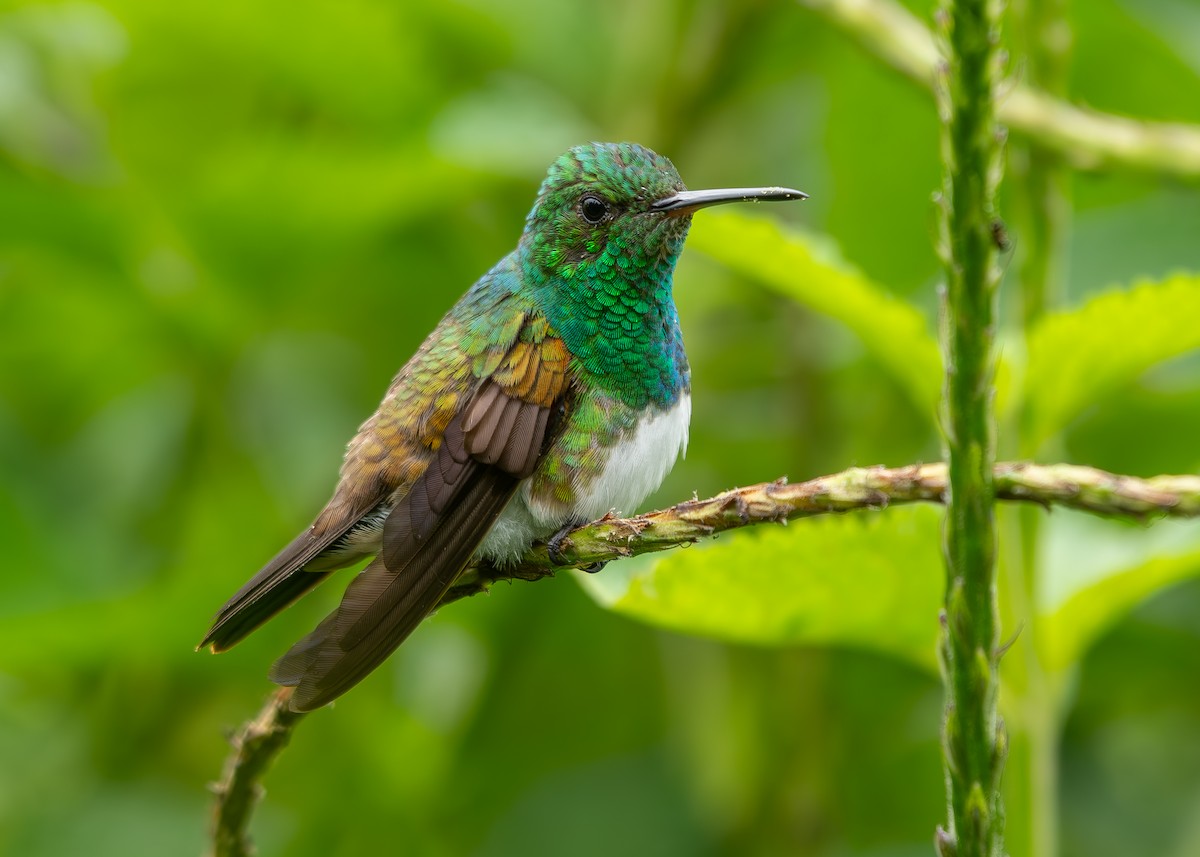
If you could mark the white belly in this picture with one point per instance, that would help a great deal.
(636, 466)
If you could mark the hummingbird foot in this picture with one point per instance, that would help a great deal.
(554, 544)
(554, 547)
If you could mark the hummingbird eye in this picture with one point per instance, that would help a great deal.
(593, 209)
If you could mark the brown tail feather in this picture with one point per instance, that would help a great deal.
(280, 583)
(382, 607)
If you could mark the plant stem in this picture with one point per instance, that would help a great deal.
(973, 738)
(255, 747)
(857, 489)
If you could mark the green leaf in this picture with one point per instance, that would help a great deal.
(1077, 357)
(1079, 621)
(873, 581)
(810, 270)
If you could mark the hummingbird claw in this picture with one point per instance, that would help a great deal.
(554, 545)
(593, 567)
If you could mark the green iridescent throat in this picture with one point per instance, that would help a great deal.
(606, 287)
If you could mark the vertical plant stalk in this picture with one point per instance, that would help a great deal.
(973, 738)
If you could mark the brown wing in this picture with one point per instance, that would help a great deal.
(388, 454)
(431, 534)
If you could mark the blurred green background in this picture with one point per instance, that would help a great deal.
(224, 226)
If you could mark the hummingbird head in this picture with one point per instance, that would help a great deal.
(592, 216)
(598, 252)
(617, 211)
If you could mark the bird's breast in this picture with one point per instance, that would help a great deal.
(607, 458)
(635, 465)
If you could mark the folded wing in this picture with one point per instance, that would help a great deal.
(430, 535)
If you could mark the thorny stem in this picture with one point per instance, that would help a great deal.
(974, 739)
(856, 489)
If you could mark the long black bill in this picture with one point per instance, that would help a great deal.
(687, 201)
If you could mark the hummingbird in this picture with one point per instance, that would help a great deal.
(555, 391)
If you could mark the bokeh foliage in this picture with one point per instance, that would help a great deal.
(223, 226)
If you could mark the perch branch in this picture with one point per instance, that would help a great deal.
(255, 747)
(857, 489)
(1088, 139)
(260, 740)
